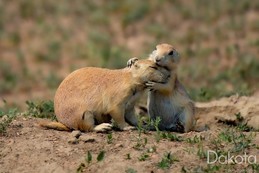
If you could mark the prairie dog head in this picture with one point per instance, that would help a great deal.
(147, 70)
(165, 55)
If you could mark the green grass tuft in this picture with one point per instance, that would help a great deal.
(43, 109)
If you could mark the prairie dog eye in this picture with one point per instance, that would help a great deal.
(171, 52)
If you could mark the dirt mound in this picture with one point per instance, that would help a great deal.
(28, 148)
(231, 109)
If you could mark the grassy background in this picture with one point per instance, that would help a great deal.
(42, 41)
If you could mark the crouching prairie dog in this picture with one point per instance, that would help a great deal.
(169, 101)
(90, 97)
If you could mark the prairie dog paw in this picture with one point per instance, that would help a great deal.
(152, 85)
(129, 128)
(104, 127)
(132, 61)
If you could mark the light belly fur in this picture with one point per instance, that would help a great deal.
(165, 107)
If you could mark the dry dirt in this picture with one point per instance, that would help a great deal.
(29, 148)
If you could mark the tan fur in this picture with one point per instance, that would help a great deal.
(169, 101)
(54, 125)
(91, 96)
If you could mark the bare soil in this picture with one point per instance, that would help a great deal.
(29, 148)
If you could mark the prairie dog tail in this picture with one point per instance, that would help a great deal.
(54, 125)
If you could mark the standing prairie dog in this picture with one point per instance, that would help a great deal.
(90, 97)
(169, 101)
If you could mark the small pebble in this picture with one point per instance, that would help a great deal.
(73, 141)
(86, 138)
(76, 133)
(4, 118)
(118, 145)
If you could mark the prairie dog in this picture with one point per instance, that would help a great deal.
(169, 101)
(90, 97)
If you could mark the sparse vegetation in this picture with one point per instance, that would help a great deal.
(130, 170)
(144, 156)
(195, 139)
(128, 157)
(208, 168)
(201, 152)
(140, 140)
(171, 136)
(88, 157)
(43, 109)
(8, 77)
(6, 118)
(237, 141)
(141, 143)
(100, 156)
(167, 161)
(109, 138)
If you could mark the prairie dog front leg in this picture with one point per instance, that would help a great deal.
(165, 88)
(119, 117)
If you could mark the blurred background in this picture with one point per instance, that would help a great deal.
(42, 41)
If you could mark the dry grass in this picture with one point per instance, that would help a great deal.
(42, 41)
